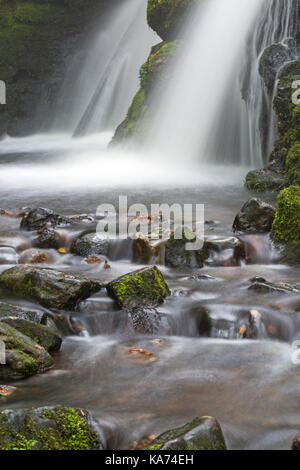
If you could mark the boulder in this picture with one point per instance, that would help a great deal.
(223, 251)
(200, 434)
(166, 18)
(255, 216)
(90, 243)
(51, 428)
(23, 356)
(38, 218)
(47, 238)
(272, 59)
(262, 286)
(36, 325)
(177, 256)
(265, 180)
(286, 226)
(144, 287)
(51, 288)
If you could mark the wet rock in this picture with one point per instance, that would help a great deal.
(272, 59)
(223, 251)
(296, 442)
(255, 216)
(145, 287)
(265, 180)
(264, 287)
(38, 325)
(176, 254)
(8, 256)
(148, 251)
(34, 256)
(24, 357)
(41, 217)
(200, 277)
(51, 288)
(84, 218)
(51, 428)
(200, 434)
(144, 320)
(49, 238)
(91, 243)
(202, 319)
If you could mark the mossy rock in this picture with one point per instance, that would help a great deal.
(51, 288)
(200, 434)
(56, 428)
(24, 357)
(265, 180)
(293, 164)
(286, 226)
(36, 325)
(166, 17)
(155, 75)
(144, 287)
(91, 243)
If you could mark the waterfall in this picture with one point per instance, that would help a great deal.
(213, 107)
(97, 91)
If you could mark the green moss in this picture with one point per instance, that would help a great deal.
(166, 16)
(286, 226)
(57, 428)
(293, 165)
(36, 14)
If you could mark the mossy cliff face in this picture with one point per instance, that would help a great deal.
(33, 37)
(286, 226)
(58, 428)
(166, 17)
(155, 74)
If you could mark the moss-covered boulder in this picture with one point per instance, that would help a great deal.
(23, 356)
(36, 325)
(293, 163)
(255, 216)
(155, 74)
(286, 226)
(265, 179)
(144, 287)
(200, 434)
(56, 428)
(51, 288)
(166, 17)
(176, 254)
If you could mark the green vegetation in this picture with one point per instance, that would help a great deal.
(286, 226)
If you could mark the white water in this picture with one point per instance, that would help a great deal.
(202, 116)
(97, 93)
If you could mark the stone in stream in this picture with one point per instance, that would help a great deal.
(261, 286)
(296, 442)
(176, 254)
(41, 217)
(265, 179)
(200, 434)
(23, 356)
(223, 251)
(144, 287)
(272, 59)
(36, 325)
(51, 288)
(34, 256)
(48, 237)
(49, 428)
(91, 243)
(139, 293)
(255, 216)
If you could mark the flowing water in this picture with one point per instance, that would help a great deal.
(250, 386)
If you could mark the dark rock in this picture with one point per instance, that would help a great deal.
(51, 288)
(202, 318)
(144, 287)
(200, 434)
(48, 238)
(24, 357)
(177, 256)
(55, 428)
(296, 442)
(38, 218)
(255, 216)
(91, 243)
(272, 59)
(264, 287)
(223, 251)
(144, 320)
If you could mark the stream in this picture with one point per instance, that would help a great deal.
(250, 385)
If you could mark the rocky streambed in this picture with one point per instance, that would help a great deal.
(145, 338)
